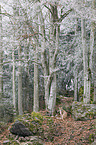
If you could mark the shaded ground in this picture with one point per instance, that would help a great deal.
(68, 131)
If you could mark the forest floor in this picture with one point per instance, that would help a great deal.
(71, 132)
(68, 131)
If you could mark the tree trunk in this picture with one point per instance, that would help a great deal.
(86, 97)
(76, 72)
(36, 75)
(93, 48)
(26, 89)
(36, 82)
(75, 87)
(45, 66)
(13, 88)
(52, 97)
(52, 65)
(20, 110)
(94, 65)
(49, 65)
(1, 58)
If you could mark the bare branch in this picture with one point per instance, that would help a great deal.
(48, 9)
(64, 15)
(6, 14)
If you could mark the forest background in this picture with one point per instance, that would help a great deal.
(48, 48)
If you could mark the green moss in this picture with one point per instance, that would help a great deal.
(32, 121)
(91, 138)
(81, 92)
(38, 124)
(36, 116)
(24, 117)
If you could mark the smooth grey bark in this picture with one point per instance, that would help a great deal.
(93, 48)
(95, 90)
(16, 10)
(75, 86)
(27, 83)
(43, 61)
(76, 71)
(13, 80)
(48, 69)
(94, 60)
(49, 66)
(26, 89)
(20, 110)
(52, 67)
(36, 75)
(92, 51)
(86, 97)
(36, 79)
(1, 58)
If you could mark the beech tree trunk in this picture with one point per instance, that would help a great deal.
(26, 89)
(1, 58)
(36, 75)
(94, 64)
(86, 97)
(49, 63)
(36, 78)
(13, 84)
(75, 86)
(20, 110)
(76, 72)
(52, 66)
(93, 48)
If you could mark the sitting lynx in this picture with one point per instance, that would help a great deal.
(63, 113)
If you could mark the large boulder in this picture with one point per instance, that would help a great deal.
(81, 111)
(18, 128)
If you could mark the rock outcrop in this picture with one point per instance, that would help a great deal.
(81, 111)
(18, 128)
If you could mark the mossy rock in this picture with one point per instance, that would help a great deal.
(32, 121)
(39, 125)
(81, 111)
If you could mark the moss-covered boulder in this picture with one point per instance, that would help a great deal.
(38, 125)
(32, 121)
(81, 111)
